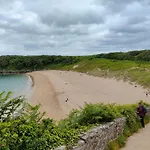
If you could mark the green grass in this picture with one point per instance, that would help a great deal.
(133, 71)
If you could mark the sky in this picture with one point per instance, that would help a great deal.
(73, 27)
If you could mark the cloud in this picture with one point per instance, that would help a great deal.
(69, 27)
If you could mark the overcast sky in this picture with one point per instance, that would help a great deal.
(73, 27)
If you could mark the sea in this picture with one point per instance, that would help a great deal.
(19, 85)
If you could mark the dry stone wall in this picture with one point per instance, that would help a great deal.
(98, 138)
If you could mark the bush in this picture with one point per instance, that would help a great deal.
(22, 135)
(29, 131)
(98, 113)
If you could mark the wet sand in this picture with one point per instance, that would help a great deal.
(59, 92)
(44, 94)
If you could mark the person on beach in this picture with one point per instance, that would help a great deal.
(67, 100)
(141, 112)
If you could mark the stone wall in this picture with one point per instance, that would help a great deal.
(99, 137)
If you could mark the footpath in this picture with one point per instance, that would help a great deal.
(140, 140)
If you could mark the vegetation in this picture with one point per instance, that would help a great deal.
(34, 62)
(131, 66)
(28, 131)
(137, 72)
(132, 126)
(143, 55)
(45, 61)
(22, 126)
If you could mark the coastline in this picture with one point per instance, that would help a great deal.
(59, 92)
(31, 77)
(45, 95)
(11, 72)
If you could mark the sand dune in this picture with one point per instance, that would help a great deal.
(59, 92)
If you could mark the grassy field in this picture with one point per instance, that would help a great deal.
(132, 71)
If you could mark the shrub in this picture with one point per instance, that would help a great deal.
(29, 131)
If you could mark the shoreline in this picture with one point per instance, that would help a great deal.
(32, 78)
(44, 95)
(11, 72)
(59, 92)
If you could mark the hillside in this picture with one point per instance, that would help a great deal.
(133, 71)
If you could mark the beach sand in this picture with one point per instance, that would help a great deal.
(59, 92)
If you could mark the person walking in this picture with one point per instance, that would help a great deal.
(141, 112)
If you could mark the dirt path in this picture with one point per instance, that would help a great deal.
(140, 140)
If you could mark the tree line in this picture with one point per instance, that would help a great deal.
(34, 62)
(142, 55)
(44, 61)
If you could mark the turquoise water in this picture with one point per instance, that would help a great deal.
(17, 84)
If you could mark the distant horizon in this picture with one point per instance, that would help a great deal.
(76, 55)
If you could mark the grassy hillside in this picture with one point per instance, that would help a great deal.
(133, 71)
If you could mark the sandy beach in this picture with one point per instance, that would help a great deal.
(59, 92)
